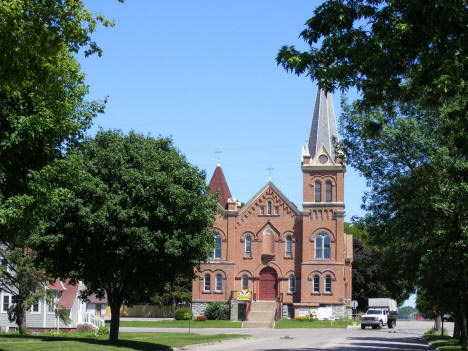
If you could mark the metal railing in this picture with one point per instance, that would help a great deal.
(279, 305)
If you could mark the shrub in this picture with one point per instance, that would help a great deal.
(217, 311)
(201, 318)
(183, 313)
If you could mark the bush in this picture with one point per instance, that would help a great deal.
(183, 313)
(201, 318)
(217, 311)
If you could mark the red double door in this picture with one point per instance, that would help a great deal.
(268, 288)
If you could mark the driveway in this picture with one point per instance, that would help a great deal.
(406, 336)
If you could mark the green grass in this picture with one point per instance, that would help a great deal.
(127, 341)
(291, 323)
(180, 324)
(443, 343)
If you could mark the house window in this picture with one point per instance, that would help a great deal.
(217, 249)
(248, 246)
(276, 211)
(288, 247)
(219, 283)
(316, 284)
(207, 283)
(262, 210)
(328, 284)
(322, 246)
(318, 191)
(36, 307)
(328, 191)
(50, 307)
(244, 281)
(6, 301)
(292, 284)
(269, 208)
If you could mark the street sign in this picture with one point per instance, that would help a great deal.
(354, 304)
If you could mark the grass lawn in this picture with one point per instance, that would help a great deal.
(127, 341)
(180, 324)
(291, 323)
(443, 343)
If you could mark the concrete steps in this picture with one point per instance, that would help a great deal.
(261, 315)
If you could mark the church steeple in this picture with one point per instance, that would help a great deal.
(323, 127)
(218, 182)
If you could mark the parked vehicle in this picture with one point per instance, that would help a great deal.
(381, 311)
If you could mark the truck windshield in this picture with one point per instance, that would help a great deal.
(374, 312)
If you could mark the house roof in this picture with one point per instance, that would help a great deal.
(323, 127)
(56, 285)
(69, 294)
(218, 182)
(94, 299)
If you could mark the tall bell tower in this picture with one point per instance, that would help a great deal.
(323, 279)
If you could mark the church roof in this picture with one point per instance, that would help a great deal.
(323, 127)
(272, 186)
(218, 182)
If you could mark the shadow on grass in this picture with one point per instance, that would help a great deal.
(132, 344)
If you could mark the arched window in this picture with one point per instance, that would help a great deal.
(248, 246)
(292, 284)
(318, 191)
(328, 191)
(269, 208)
(217, 249)
(207, 283)
(328, 284)
(322, 246)
(244, 281)
(288, 248)
(219, 283)
(316, 284)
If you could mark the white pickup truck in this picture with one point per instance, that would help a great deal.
(381, 311)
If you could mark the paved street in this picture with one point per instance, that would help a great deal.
(406, 336)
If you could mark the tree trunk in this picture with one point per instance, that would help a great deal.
(115, 304)
(456, 329)
(438, 321)
(463, 328)
(21, 321)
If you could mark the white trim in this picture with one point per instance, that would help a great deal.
(9, 301)
(204, 282)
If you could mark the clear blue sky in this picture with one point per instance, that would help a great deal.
(204, 73)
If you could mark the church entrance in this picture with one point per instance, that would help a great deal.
(268, 284)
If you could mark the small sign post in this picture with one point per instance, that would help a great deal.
(354, 305)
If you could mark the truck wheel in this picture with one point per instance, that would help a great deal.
(374, 326)
(380, 325)
(363, 326)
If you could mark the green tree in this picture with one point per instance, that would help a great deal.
(175, 292)
(42, 111)
(132, 214)
(407, 131)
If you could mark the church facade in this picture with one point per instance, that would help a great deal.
(275, 251)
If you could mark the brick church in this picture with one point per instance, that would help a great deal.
(270, 250)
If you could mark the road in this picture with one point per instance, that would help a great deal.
(406, 336)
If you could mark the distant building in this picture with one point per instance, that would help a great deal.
(278, 251)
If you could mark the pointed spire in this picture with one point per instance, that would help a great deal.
(218, 182)
(323, 127)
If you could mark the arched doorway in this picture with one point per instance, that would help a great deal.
(268, 284)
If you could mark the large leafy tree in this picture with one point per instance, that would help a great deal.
(42, 111)
(131, 214)
(406, 132)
